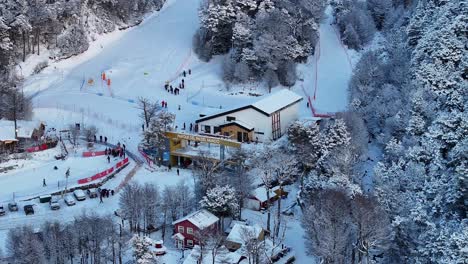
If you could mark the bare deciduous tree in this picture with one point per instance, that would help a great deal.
(149, 109)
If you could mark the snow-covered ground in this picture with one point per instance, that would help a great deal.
(139, 61)
(327, 73)
(26, 180)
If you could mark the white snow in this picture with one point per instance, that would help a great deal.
(201, 219)
(260, 194)
(328, 72)
(139, 64)
(277, 101)
(240, 229)
(25, 129)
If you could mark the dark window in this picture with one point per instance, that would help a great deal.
(207, 129)
(230, 118)
(276, 125)
(217, 129)
(260, 133)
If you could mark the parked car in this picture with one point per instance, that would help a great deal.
(54, 203)
(2, 210)
(28, 209)
(69, 200)
(13, 206)
(92, 193)
(79, 195)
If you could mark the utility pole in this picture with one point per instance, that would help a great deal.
(14, 113)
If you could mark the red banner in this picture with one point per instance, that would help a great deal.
(104, 173)
(121, 163)
(93, 153)
(37, 148)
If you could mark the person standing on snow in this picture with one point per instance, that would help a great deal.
(108, 159)
(44, 183)
(184, 73)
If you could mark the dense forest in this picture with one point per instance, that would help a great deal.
(410, 96)
(62, 27)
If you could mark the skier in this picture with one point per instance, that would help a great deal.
(191, 127)
(183, 128)
(177, 172)
(44, 183)
(162, 103)
(189, 71)
(105, 140)
(108, 159)
(184, 73)
(95, 139)
(100, 138)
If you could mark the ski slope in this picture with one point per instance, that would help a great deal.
(327, 74)
(139, 61)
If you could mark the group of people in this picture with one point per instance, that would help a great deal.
(104, 193)
(172, 90)
(164, 104)
(176, 90)
(100, 139)
(119, 151)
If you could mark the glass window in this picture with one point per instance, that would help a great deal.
(189, 230)
(207, 129)
(180, 229)
(190, 243)
(276, 125)
(230, 118)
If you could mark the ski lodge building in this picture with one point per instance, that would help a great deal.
(264, 120)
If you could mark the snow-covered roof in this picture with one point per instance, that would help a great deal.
(266, 106)
(277, 101)
(239, 230)
(178, 236)
(223, 256)
(239, 123)
(201, 219)
(25, 129)
(261, 194)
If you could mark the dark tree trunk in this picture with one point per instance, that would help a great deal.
(24, 46)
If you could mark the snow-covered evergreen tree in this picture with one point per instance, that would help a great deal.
(141, 250)
(221, 201)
